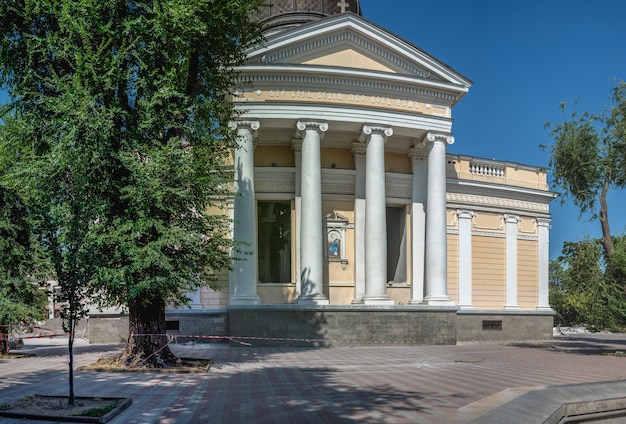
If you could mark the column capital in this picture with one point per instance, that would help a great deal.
(511, 219)
(543, 222)
(432, 137)
(359, 149)
(416, 153)
(465, 214)
(253, 125)
(319, 126)
(375, 129)
(296, 145)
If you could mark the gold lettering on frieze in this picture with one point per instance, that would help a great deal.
(306, 95)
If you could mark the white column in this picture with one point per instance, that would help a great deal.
(543, 251)
(375, 217)
(511, 262)
(359, 150)
(418, 223)
(296, 146)
(465, 258)
(311, 229)
(436, 236)
(243, 276)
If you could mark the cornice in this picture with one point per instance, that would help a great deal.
(498, 202)
(358, 81)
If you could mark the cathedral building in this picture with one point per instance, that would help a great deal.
(358, 225)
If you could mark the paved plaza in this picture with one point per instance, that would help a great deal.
(377, 384)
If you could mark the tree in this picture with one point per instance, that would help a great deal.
(119, 141)
(588, 158)
(583, 288)
(21, 300)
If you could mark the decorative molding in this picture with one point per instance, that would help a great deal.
(452, 231)
(465, 214)
(488, 234)
(512, 219)
(418, 153)
(334, 39)
(359, 149)
(274, 180)
(498, 228)
(496, 202)
(296, 145)
(532, 231)
(528, 238)
(399, 186)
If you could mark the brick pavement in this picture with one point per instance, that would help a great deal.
(377, 384)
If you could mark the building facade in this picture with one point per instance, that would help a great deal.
(357, 225)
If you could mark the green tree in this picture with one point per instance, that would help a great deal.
(588, 158)
(21, 300)
(119, 141)
(583, 289)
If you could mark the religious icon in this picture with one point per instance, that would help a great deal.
(334, 244)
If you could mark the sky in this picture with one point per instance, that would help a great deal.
(524, 58)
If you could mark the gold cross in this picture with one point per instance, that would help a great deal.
(343, 4)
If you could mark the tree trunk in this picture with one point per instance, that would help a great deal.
(147, 344)
(607, 241)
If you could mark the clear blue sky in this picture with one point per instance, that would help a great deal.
(524, 58)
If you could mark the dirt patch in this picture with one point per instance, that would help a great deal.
(84, 409)
(183, 365)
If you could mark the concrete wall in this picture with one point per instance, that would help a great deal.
(198, 323)
(343, 326)
(483, 326)
(105, 329)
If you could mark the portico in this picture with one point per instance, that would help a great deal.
(355, 222)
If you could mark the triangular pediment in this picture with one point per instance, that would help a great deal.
(348, 57)
(349, 42)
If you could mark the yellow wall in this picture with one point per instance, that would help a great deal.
(453, 267)
(340, 158)
(276, 293)
(527, 274)
(488, 272)
(349, 58)
(274, 156)
(398, 162)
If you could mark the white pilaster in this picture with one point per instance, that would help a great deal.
(296, 146)
(543, 301)
(465, 258)
(418, 224)
(311, 230)
(511, 262)
(375, 216)
(243, 276)
(436, 235)
(359, 150)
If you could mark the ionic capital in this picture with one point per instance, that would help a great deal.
(368, 130)
(320, 127)
(432, 137)
(252, 125)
